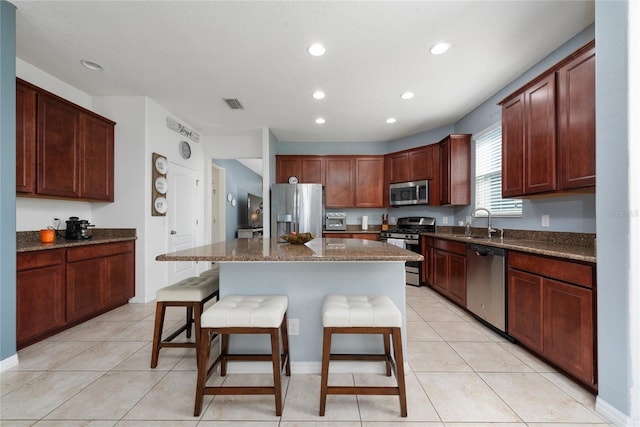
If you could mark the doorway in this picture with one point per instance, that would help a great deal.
(218, 198)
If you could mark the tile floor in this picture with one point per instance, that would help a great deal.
(97, 374)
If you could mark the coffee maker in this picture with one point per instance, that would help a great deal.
(77, 228)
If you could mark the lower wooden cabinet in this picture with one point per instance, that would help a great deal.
(450, 270)
(363, 236)
(59, 288)
(40, 294)
(551, 311)
(427, 264)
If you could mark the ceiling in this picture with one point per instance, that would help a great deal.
(189, 55)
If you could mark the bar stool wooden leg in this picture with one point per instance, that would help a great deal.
(286, 364)
(387, 352)
(397, 353)
(157, 333)
(203, 350)
(324, 380)
(275, 359)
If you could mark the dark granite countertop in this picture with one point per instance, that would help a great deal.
(27, 241)
(574, 246)
(325, 249)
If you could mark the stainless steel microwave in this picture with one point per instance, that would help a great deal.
(409, 193)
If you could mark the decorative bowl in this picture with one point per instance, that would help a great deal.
(297, 239)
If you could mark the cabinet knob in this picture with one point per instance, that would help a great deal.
(174, 232)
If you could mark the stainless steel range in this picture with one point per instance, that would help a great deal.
(406, 234)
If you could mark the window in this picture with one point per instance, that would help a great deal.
(489, 175)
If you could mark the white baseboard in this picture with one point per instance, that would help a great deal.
(9, 362)
(613, 415)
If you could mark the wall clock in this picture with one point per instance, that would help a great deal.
(185, 149)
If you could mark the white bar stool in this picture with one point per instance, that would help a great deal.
(243, 314)
(350, 314)
(192, 293)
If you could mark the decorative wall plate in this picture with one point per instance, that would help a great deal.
(161, 185)
(162, 165)
(160, 204)
(185, 150)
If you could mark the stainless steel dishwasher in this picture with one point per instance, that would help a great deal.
(486, 285)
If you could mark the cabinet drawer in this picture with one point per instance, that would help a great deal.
(39, 259)
(98, 251)
(567, 271)
(450, 246)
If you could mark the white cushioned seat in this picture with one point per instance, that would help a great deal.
(189, 289)
(358, 310)
(253, 311)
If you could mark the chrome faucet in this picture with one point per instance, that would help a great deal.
(489, 228)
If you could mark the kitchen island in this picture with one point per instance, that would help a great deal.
(306, 273)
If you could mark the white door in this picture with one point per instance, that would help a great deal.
(218, 200)
(183, 219)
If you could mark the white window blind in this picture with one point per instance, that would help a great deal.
(489, 176)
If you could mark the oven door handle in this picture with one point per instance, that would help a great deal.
(411, 242)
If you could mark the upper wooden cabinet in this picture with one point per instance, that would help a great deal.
(339, 182)
(73, 148)
(369, 180)
(308, 169)
(25, 138)
(548, 130)
(455, 170)
(410, 165)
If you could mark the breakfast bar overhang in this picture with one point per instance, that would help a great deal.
(306, 273)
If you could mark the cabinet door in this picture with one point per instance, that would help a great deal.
(312, 169)
(339, 185)
(568, 328)
(577, 122)
(513, 147)
(421, 163)
(369, 179)
(459, 169)
(58, 152)
(40, 298)
(25, 138)
(85, 288)
(427, 263)
(399, 167)
(120, 279)
(287, 166)
(440, 272)
(338, 235)
(445, 170)
(96, 142)
(366, 236)
(525, 309)
(540, 137)
(458, 279)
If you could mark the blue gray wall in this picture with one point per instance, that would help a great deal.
(615, 343)
(7, 181)
(240, 180)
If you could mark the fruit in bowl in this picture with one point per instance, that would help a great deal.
(297, 238)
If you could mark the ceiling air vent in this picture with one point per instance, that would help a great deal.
(233, 103)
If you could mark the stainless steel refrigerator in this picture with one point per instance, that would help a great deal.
(296, 207)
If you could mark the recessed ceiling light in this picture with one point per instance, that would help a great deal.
(93, 66)
(320, 121)
(407, 95)
(440, 48)
(318, 94)
(316, 49)
(391, 120)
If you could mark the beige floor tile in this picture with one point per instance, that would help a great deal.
(248, 407)
(141, 359)
(489, 357)
(303, 400)
(16, 423)
(412, 316)
(536, 399)
(72, 423)
(129, 313)
(36, 399)
(47, 355)
(139, 331)
(460, 331)
(172, 398)
(576, 391)
(528, 358)
(387, 408)
(12, 379)
(485, 424)
(92, 331)
(464, 397)
(109, 397)
(435, 356)
(156, 423)
(244, 424)
(400, 423)
(421, 331)
(101, 357)
(437, 314)
(568, 425)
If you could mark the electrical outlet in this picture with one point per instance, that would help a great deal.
(468, 219)
(545, 220)
(294, 327)
(445, 220)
